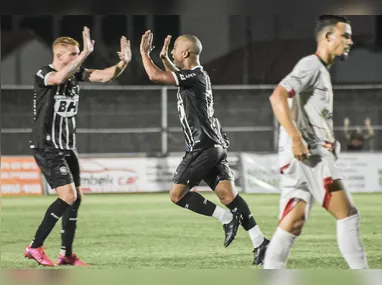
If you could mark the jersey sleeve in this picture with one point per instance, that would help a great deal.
(80, 73)
(185, 78)
(302, 78)
(41, 77)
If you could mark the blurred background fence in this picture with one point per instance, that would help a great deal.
(144, 120)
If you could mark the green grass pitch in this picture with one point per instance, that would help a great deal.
(144, 231)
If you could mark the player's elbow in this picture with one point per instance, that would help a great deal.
(274, 98)
(278, 95)
(157, 78)
(152, 75)
(103, 76)
(154, 78)
(95, 77)
(55, 80)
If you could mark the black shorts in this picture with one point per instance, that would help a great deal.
(210, 165)
(59, 167)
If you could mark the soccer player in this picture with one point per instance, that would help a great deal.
(53, 140)
(206, 154)
(303, 104)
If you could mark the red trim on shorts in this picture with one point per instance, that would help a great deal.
(291, 93)
(289, 206)
(328, 195)
(283, 168)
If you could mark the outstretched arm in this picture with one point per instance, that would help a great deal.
(107, 74)
(59, 77)
(154, 73)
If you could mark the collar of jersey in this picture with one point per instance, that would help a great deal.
(198, 66)
(322, 61)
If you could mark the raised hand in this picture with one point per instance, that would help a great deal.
(88, 42)
(147, 42)
(164, 52)
(125, 53)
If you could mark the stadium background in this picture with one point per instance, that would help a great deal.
(135, 122)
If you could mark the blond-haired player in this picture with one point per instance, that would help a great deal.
(53, 139)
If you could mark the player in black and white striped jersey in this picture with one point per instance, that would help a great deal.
(53, 138)
(206, 143)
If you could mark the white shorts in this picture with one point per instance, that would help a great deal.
(307, 180)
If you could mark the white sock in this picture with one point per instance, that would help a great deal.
(62, 252)
(256, 236)
(349, 242)
(278, 250)
(224, 216)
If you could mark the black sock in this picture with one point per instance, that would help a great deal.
(197, 203)
(52, 215)
(69, 225)
(238, 204)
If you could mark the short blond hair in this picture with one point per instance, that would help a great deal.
(65, 41)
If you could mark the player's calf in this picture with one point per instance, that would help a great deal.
(233, 201)
(343, 209)
(69, 226)
(293, 225)
(192, 201)
(349, 242)
(338, 202)
(290, 227)
(195, 202)
(66, 195)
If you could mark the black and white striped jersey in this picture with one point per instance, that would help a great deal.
(196, 112)
(55, 108)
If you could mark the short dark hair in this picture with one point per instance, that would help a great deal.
(326, 21)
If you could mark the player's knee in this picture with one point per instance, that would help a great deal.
(226, 198)
(69, 196)
(178, 191)
(175, 196)
(225, 192)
